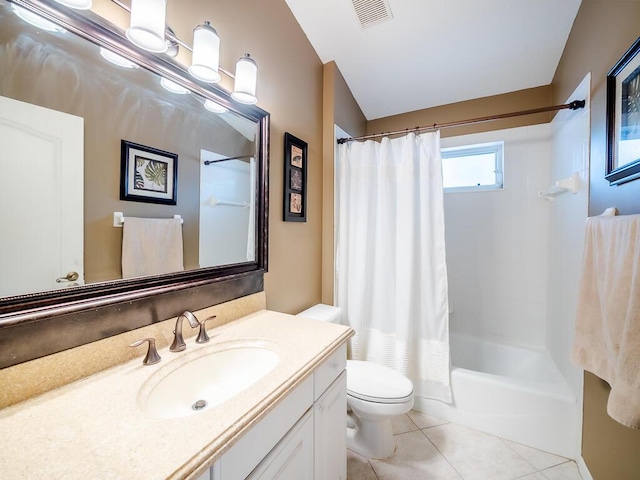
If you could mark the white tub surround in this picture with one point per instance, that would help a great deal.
(97, 428)
(512, 392)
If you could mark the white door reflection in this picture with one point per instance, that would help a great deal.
(227, 213)
(41, 198)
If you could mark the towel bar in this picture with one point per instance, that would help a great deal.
(118, 219)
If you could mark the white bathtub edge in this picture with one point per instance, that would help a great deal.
(497, 408)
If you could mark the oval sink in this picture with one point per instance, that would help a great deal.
(206, 381)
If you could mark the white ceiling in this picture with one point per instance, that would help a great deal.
(435, 52)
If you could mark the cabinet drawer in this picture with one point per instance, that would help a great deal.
(329, 370)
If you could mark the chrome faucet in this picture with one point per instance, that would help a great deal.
(178, 341)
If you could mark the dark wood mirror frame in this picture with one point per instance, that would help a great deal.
(39, 324)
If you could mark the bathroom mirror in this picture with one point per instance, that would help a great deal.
(221, 164)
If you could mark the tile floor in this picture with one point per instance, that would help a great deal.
(431, 449)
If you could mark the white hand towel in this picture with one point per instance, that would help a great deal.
(151, 246)
(607, 337)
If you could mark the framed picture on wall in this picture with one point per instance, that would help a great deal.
(623, 118)
(148, 174)
(295, 179)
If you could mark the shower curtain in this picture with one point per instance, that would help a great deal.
(391, 275)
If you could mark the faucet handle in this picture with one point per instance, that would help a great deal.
(202, 334)
(152, 356)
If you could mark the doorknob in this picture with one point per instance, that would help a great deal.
(70, 277)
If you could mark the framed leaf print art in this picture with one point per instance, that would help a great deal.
(148, 174)
(623, 118)
(295, 179)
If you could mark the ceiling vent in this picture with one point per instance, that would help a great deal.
(372, 12)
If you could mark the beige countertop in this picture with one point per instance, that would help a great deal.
(97, 428)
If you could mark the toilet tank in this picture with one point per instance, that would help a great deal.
(325, 313)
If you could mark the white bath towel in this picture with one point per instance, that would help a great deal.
(607, 336)
(151, 246)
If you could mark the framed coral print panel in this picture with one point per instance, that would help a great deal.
(295, 179)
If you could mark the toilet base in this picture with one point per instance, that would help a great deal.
(370, 438)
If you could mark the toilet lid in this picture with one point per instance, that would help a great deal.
(377, 383)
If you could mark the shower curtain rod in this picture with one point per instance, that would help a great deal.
(210, 162)
(574, 105)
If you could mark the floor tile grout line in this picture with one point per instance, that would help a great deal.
(539, 470)
(502, 440)
(554, 466)
(373, 469)
(414, 423)
(438, 450)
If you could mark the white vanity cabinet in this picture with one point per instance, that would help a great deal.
(302, 438)
(330, 432)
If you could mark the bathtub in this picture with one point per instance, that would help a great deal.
(512, 392)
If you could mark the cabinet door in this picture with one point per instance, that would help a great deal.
(205, 476)
(292, 458)
(330, 431)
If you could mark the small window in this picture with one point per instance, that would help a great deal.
(472, 167)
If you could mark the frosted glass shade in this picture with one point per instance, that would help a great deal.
(77, 4)
(147, 25)
(206, 54)
(116, 59)
(35, 19)
(214, 107)
(173, 87)
(244, 90)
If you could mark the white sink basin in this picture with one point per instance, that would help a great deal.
(205, 381)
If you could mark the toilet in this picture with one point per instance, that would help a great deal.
(375, 394)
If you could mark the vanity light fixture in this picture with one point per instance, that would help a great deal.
(76, 4)
(206, 54)
(116, 59)
(146, 29)
(149, 32)
(35, 19)
(173, 87)
(214, 107)
(244, 90)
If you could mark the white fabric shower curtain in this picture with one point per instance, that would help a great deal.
(391, 275)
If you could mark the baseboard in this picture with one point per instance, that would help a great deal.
(582, 467)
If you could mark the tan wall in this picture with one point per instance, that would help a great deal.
(480, 107)
(602, 32)
(339, 108)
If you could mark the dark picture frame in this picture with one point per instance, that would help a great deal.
(623, 118)
(295, 179)
(148, 174)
